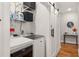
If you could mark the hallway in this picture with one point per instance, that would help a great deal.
(68, 50)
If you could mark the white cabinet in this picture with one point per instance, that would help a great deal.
(39, 47)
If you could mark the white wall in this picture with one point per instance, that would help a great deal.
(28, 27)
(1, 30)
(5, 30)
(78, 31)
(65, 17)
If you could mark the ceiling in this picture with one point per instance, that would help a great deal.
(64, 6)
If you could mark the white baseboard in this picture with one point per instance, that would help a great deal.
(67, 41)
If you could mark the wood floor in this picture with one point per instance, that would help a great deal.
(68, 50)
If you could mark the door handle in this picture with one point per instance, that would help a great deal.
(40, 41)
(0, 19)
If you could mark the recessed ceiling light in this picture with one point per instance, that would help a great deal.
(69, 9)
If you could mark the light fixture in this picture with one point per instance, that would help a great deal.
(69, 9)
